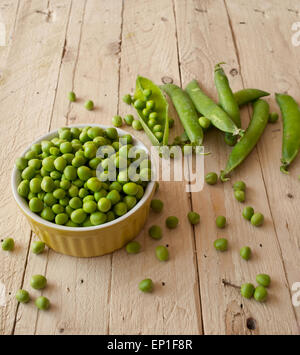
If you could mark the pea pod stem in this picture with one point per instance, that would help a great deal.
(246, 144)
(226, 97)
(208, 108)
(186, 112)
(290, 111)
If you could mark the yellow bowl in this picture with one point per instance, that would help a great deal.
(87, 241)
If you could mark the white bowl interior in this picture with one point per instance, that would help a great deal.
(16, 179)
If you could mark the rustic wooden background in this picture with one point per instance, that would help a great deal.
(96, 48)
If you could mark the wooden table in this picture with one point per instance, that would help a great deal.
(97, 48)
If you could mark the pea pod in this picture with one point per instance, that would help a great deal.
(208, 108)
(290, 111)
(246, 144)
(245, 96)
(161, 107)
(186, 112)
(226, 97)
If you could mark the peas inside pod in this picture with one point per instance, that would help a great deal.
(83, 177)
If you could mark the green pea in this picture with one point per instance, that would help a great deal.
(221, 221)
(130, 188)
(89, 105)
(94, 163)
(71, 224)
(60, 163)
(44, 172)
(47, 184)
(127, 99)
(153, 116)
(23, 188)
(28, 173)
(64, 202)
(257, 219)
(140, 192)
(98, 218)
(42, 303)
(104, 204)
(263, 280)
(48, 164)
(78, 183)
(54, 151)
(89, 206)
(35, 185)
(94, 132)
(230, 139)
(22, 296)
(73, 191)
(84, 173)
(68, 157)
(59, 194)
(150, 105)
(114, 196)
(120, 209)
(273, 117)
(57, 208)
(48, 214)
(130, 201)
(157, 128)
(36, 205)
(211, 178)
(221, 244)
(147, 93)
(68, 210)
(193, 217)
(35, 163)
(8, 244)
(110, 216)
(38, 282)
(152, 122)
(162, 253)
(204, 122)
(21, 163)
(78, 216)
(90, 150)
(157, 205)
(111, 133)
(31, 195)
(117, 121)
(172, 222)
(61, 218)
(239, 186)
(146, 112)
(94, 184)
(128, 119)
(83, 193)
(75, 132)
(155, 232)
(37, 148)
(133, 247)
(136, 124)
(55, 175)
(46, 145)
(126, 139)
(75, 203)
(260, 294)
(159, 136)
(87, 223)
(248, 212)
(38, 247)
(139, 104)
(30, 155)
(240, 195)
(72, 96)
(70, 173)
(247, 290)
(146, 285)
(49, 199)
(245, 253)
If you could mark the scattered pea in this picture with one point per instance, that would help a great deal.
(38, 282)
(42, 303)
(221, 221)
(38, 247)
(127, 99)
(146, 285)
(193, 217)
(172, 222)
(155, 232)
(157, 205)
(273, 117)
(162, 253)
(247, 290)
(133, 247)
(239, 195)
(263, 280)
(128, 120)
(211, 178)
(239, 186)
(22, 296)
(248, 212)
(257, 219)
(245, 253)
(117, 121)
(8, 244)
(89, 105)
(204, 122)
(260, 294)
(221, 244)
(136, 124)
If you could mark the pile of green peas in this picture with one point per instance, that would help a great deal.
(260, 292)
(59, 179)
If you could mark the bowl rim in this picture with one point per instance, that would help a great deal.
(24, 205)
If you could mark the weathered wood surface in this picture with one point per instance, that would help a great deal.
(97, 48)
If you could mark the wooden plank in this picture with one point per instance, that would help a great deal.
(80, 294)
(148, 48)
(27, 94)
(205, 39)
(276, 68)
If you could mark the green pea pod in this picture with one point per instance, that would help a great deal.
(245, 96)
(290, 111)
(186, 112)
(246, 144)
(226, 97)
(161, 107)
(208, 108)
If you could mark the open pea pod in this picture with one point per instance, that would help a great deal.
(161, 108)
